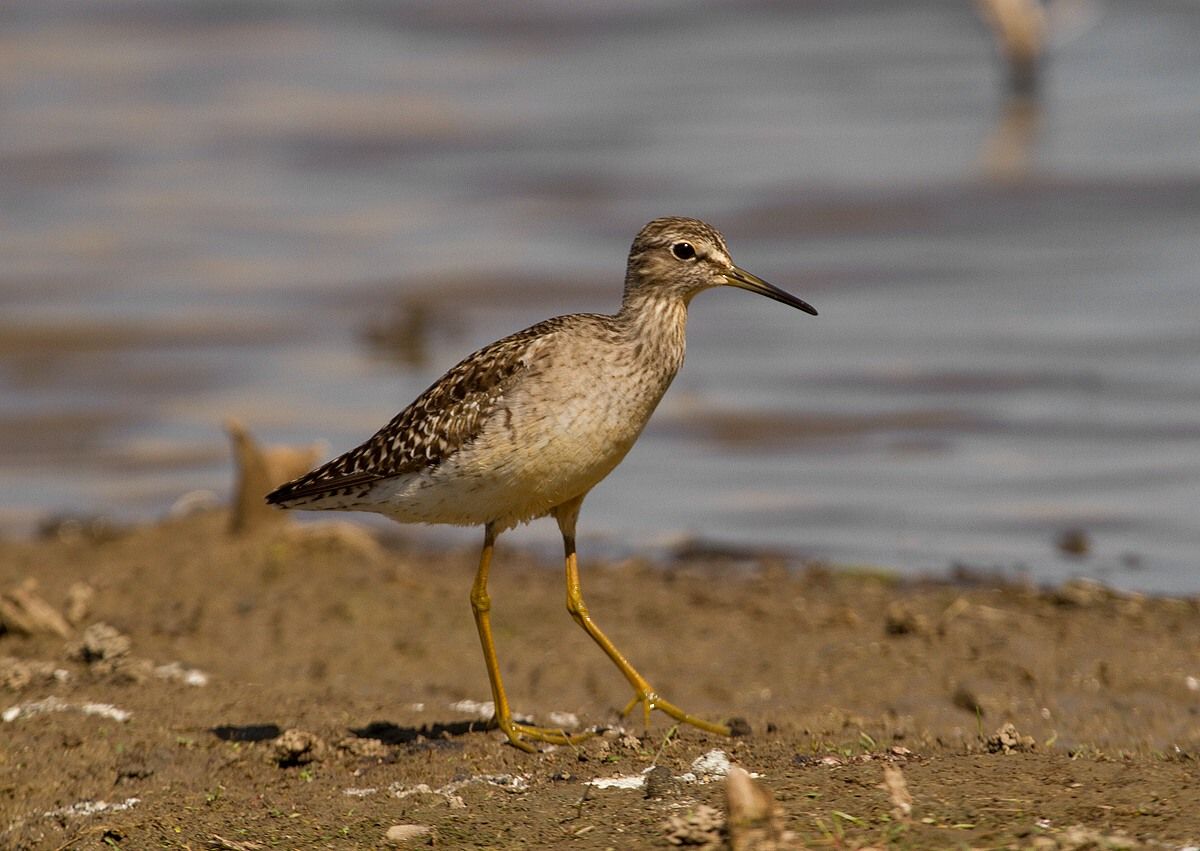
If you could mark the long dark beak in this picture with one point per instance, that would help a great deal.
(743, 280)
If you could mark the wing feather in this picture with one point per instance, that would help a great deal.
(446, 417)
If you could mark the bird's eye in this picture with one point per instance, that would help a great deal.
(684, 251)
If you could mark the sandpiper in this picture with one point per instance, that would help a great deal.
(526, 426)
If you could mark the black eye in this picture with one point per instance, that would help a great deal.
(684, 251)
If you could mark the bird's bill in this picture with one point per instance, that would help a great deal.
(743, 280)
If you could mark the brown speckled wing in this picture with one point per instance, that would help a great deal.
(443, 419)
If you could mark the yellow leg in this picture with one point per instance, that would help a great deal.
(566, 515)
(481, 606)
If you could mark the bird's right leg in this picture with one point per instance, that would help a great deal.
(643, 693)
(481, 606)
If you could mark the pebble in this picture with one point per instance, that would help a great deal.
(658, 781)
(402, 834)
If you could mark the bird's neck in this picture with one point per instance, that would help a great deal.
(655, 327)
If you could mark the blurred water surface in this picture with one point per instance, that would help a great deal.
(301, 213)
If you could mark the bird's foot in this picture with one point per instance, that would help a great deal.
(651, 701)
(519, 735)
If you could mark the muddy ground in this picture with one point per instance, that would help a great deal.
(160, 714)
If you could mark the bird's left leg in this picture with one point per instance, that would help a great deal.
(481, 606)
(567, 514)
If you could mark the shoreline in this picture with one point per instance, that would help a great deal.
(369, 655)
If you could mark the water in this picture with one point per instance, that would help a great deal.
(218, 209)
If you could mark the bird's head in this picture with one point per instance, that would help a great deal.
(676, 257)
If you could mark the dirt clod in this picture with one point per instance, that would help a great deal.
(755, 818)
(259, 470)
(702, 828)
(1008, 739)
(363, 748)
(297, 747)
(16, 674)
(23, 611)
(629, 743)
(739, 727)
(99, 643)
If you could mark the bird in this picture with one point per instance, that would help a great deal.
(525, 427)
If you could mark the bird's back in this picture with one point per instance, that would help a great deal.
(520, 426)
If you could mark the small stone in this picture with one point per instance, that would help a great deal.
(404, 834)
(658, 781)
(711, 765)
(176, 672)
